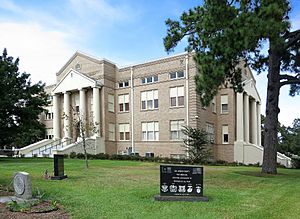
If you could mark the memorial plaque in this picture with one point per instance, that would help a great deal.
(22, 185)
(181, 183)
(59, 167)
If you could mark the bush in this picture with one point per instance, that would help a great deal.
(296, 162)
(73, 155)
(102, 156)
(80, 156)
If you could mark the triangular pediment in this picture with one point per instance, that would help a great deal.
(74, 80)
(250, 88)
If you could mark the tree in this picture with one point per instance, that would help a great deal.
(21, 103)
(196, 144)
(222, 33)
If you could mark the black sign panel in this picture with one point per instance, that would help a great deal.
(181, 180)
(58, 165)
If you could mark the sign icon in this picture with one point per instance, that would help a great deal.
(164, 188)
(173, 188)
(198, 189)
(181, 189)
(190, 189)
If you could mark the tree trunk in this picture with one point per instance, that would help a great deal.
(272, 111)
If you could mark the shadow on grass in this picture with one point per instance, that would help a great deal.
(259, 174)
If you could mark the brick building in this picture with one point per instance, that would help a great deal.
(141, 108)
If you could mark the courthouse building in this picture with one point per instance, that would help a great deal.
(141, 108)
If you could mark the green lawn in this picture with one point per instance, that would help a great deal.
(125, 189)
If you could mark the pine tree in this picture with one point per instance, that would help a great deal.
(222, 33)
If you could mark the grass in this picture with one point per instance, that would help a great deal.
(125, 189)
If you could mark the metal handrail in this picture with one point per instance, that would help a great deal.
(50, 146)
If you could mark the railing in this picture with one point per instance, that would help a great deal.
(47, 149)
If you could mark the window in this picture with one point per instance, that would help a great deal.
(213, 105)
(175, 128)
(111, 103)
(150, 79)
(149, 99)
(49, 133)
(210, 131)
(150, 131)
(176, 75)
(224, 104)
(123, 84)
(49, 116)
(225, 136)
(111, 130)
(124, 132)
(177, 96)
(124, 102)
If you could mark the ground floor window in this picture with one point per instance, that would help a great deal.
(225, 136)
(175, 129)
(124, 132)
(150, 131)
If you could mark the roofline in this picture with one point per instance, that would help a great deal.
(152, 60)
(93, 58)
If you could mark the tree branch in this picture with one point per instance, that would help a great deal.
(289, 79)
(292, 38)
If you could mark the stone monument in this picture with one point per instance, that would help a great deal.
(59, 167)
(22, 185)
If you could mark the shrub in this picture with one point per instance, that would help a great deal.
(296, 162)
(73, 155)
(80, 156)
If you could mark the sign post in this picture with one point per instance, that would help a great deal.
(181, 183)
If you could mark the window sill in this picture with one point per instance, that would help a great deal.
(176, 107)
(123, 112)
(224, 113)
(143, 110)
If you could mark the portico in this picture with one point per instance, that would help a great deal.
(64, 111)
(248, 125)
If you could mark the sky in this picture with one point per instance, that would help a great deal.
(45, 34)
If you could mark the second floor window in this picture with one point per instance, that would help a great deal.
(49, 116)
(149, 99)
(124, 102)
(111, 103)
(177, 96)
(225, 136)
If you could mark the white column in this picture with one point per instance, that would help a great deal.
(239, 117)
(254, 122)
(258, 125)
(56, 117)
(246, 118)
(82, 106)
(67, 115)
(96, 110)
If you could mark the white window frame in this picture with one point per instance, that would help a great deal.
(210, 131)
(213, 105)
(176, 73)
(177, 92)
(111, 132)
(124, 84)
(150, 131)
(111, 103)
(123, 100)
(175, 129)
(225, 131)
(224, 102)
(124, 128)
(146, 80)
(149, 100)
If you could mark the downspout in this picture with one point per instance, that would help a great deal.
(187, 87)
(132, 114)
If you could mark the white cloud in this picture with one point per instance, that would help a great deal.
(41, 52)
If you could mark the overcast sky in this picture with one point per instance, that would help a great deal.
(45, 34)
